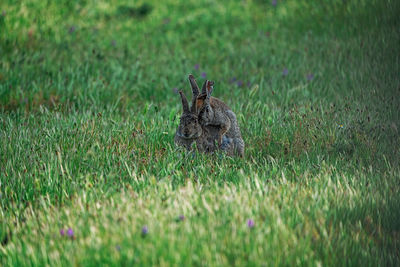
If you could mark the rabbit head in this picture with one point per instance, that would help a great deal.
(189, 127)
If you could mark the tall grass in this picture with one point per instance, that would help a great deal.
(88, 115)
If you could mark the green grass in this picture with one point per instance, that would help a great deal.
(88, 114)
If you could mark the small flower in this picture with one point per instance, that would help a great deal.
(118, 247)
(72, 29)
(70, 232)
(176, 90)
(145, 230)
(285, 72)
(310, 76)
(203, 75)
(233, 79)
(62, 232)
(340, 126)
(239, 83)
(274, 2)
(196, 67)
(181, 217)
(250, 223)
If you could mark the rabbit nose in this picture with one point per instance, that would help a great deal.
(186, 131)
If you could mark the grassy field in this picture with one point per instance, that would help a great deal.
(89, 173)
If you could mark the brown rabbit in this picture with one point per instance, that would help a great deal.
(214, 112)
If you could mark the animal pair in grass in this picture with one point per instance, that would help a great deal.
(209, 123)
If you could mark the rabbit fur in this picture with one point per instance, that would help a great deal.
(213, 111)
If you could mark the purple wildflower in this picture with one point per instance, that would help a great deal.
(72, 29)
(62, 232)
(70, 232)
(250, 223)
(181, 217)
(285, 72)
(118, 247)
(239, 83)
(196, 67)
(145, 230)
(274, 2)
(310, 76)
(233, 79)
(203, 75)
(176, 90)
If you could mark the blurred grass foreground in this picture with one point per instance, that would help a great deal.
(89, 173)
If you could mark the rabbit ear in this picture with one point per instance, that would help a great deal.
(210, 87)
(208, 92)
(195, 92)
(185, 104)
(204, 87)
(193, 109)
(193, 84)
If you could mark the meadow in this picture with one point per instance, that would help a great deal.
(89, 173)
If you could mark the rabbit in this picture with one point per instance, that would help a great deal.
(189, 128)
(214, 112)
(191, 131)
